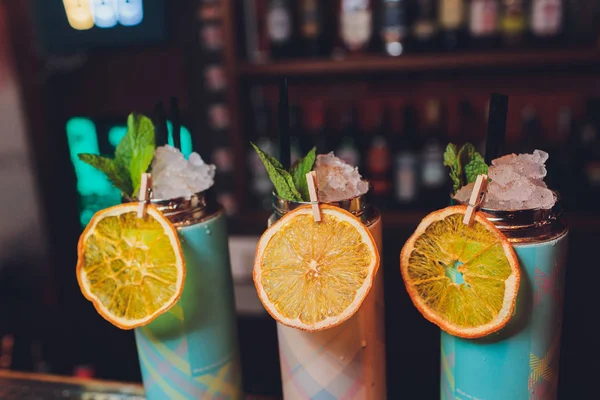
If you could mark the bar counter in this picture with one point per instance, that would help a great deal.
(28, 386)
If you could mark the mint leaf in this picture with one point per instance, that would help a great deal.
(452, 160)
(464, 165)
(299, 171)
(282, 180)
(476, 166)
(135, 151)
(119, 177)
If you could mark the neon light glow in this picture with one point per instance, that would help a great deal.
(105, 13)
(84, 14)
(131, 12)
(95, 190)
(79, 14)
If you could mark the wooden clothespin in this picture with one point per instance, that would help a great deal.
(477, 196)
(312, 192)
(144, 196)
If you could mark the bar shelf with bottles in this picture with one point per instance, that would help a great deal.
(399, 146)
(543, 53)
(309, 36)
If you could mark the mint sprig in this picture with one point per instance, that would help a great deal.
(133, 156)
(299, 171)
(289, 185)
(465, 164)
(282, 179)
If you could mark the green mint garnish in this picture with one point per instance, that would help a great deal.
(133, 156)
(282, 179)
(451, 160)
(476, 166)
(299, 171)
(464, 164)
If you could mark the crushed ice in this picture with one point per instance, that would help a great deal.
(337, 180)
(173, 176)
(517, 183)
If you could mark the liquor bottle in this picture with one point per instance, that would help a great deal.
(581, 18)
(589, 153)
(316, 128)
(394, 26)
(470, 129)
(425, 28)
(260, 184)
(546, 21)
(453, 23)
(296, 132)
(280, 29)
(406, 150)
(222, 158)
(255, 31)
(347, 147)
(378, 160)
(531, 132)
(484, 23)
(433, 173)
(313, 27)
(356, 24)
(513, 22)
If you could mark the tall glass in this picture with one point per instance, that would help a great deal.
(346, 361)
(520, 362)
(191, 351)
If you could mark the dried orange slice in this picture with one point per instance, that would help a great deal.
(132, 269)
(463, 278)
(315, 275)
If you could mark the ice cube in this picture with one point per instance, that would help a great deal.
(517, 183)
(337, 180)
(174, 176)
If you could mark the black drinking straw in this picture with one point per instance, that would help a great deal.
(496, 133)
(161, 132)
(283, 124)
(176, 123)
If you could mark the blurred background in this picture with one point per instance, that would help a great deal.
(386, 84)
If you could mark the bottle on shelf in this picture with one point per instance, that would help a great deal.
(406, 151)
(589, 154)
(347, 146)
(356, 24)
(280, 29)
(425, 27)
(582, 18)
(316, 126)
(296, 132)
(513, 22)
(559, 164)
(394, 26)
(314, 28)
(377, 165)
(546, 21)
(261, 135)
(434, 177)
(469, 129)
(222, 157)
(484, 25)
(453, 23)
(531, 132)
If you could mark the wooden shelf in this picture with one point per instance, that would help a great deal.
(428, 62)
(255, 222)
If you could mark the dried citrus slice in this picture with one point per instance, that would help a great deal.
(132, 269)
(463, 278)
(315, 275)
